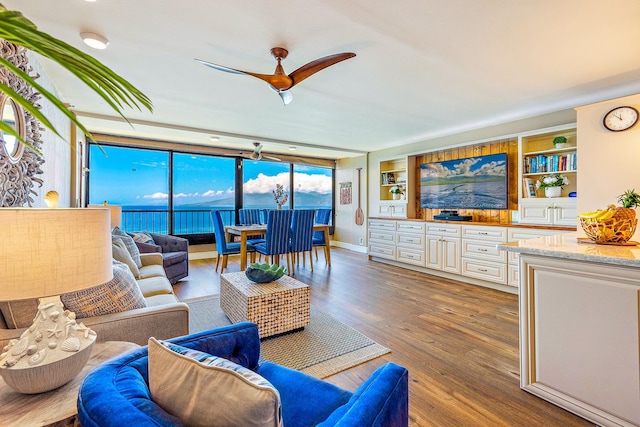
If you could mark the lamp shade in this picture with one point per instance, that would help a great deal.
(116, 214)
(45, 252)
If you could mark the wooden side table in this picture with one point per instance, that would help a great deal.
(56, 407)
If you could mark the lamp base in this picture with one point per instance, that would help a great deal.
(50, 353)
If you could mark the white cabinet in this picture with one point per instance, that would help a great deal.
(443, 247)
(382, 239)
(393, 209)
(521, 233)
(410, 242)
(549, 211)
(480, 256)
(579, 336)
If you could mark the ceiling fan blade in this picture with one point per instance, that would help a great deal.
(258, 147)
(286, 96)
(274, 80)
(271, 158)
(313, 67)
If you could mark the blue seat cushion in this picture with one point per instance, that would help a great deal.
(306, 401)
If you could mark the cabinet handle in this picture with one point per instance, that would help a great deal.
(484, 270)
(484, 233)
(442, 229)
(482, 250)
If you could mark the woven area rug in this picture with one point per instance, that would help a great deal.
(325, 347)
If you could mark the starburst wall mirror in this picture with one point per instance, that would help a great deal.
(19, 165)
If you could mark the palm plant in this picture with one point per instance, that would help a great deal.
(112, 88)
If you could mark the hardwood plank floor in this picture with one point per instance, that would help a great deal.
(458, 341)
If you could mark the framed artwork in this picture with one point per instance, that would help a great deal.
(345, 193)
(529, 187)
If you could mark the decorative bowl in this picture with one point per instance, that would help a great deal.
(264, 273)
(609, 231)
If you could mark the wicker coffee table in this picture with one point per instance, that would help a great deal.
(276, 307)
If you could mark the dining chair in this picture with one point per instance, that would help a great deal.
(250, 216)
(302, 235)
(277, 237)
(323, 216)
(223, 248)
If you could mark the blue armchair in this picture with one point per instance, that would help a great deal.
(117, 393)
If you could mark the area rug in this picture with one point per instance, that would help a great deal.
(325, 347)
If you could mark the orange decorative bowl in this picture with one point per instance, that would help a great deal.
(610, 230)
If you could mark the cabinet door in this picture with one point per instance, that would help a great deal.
(434, 253)
(536, 212)
(399, 210)
(385, 209)
(565, 214)
(450, 255)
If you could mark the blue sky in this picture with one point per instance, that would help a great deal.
(139, 177)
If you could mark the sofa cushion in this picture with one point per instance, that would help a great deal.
(20, 313)
(120, 253)
(119, 294)
(199, 388)
(154, 286)
(160, 300)
(142, 237)
(153, 270)
(129, 243)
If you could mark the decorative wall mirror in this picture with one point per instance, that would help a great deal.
(12, 115)
(19, 165)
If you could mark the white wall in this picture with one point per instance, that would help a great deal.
(347, 233)
(608, 162)
(56, 151)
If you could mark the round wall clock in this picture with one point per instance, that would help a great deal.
(620, 118)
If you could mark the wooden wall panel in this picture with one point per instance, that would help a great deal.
(495, 216)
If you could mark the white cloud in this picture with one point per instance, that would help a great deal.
(156, 196)
(304, 182)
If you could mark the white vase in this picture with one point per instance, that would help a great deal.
(552, 191)
(396, 196)
(560, 145)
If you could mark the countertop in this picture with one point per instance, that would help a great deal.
(566, 246)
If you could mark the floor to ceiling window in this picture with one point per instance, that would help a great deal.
(312, 187)
(259, 182)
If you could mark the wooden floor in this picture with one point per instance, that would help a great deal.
(459, 342)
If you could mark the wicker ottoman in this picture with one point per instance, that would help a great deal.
(276, 307)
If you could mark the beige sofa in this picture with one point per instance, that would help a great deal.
(164, 317)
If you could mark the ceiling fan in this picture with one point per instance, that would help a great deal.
(256, 154)
(280, 82)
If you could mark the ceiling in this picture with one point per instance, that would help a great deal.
(424, 68)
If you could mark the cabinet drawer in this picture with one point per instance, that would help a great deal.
(514, 275)
(493, 234)
(410, 240)
(485, 270)
(383, 236)
(411, 227)
(482, 250)
(382, 251)
(516, 234)
(382, 225)
(443, 230)
(411, 256)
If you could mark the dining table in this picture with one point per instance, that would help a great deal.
(257, 229)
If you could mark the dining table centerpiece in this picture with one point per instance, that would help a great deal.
(280, 196)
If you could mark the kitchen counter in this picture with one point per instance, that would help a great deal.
(567, 246)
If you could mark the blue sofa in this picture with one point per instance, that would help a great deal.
(117, 394)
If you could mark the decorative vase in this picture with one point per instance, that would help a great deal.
(552, 191)
(396, 196)
(560, 145)
(279, 207)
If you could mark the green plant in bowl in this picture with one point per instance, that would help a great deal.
(264, 273)
(559, 141)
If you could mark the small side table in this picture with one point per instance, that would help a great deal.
(276, 307)
(57, 407)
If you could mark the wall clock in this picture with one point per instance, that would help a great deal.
(620, 118)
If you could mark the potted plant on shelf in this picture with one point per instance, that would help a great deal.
(552, 184)
(559, 141)
(396, 191)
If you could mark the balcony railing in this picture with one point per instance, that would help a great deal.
(184, 221)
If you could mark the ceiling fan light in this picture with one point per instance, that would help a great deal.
(214, 138)
(94, 40)
(292, 148)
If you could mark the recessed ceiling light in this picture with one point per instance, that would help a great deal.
(214, 138)
(292, 148)
(94, 40)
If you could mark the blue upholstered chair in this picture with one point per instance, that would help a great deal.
(302, 235)
(250, 216)
(116, 393)
(323, 216)
(277, 237)
(224, 249)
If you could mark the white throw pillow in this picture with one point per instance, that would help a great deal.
(206, 390)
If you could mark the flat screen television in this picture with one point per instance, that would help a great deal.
(471, 183)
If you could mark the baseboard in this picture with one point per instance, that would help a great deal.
(351, 247)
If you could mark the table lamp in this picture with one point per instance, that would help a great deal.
(46, 253)
(116, 213)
